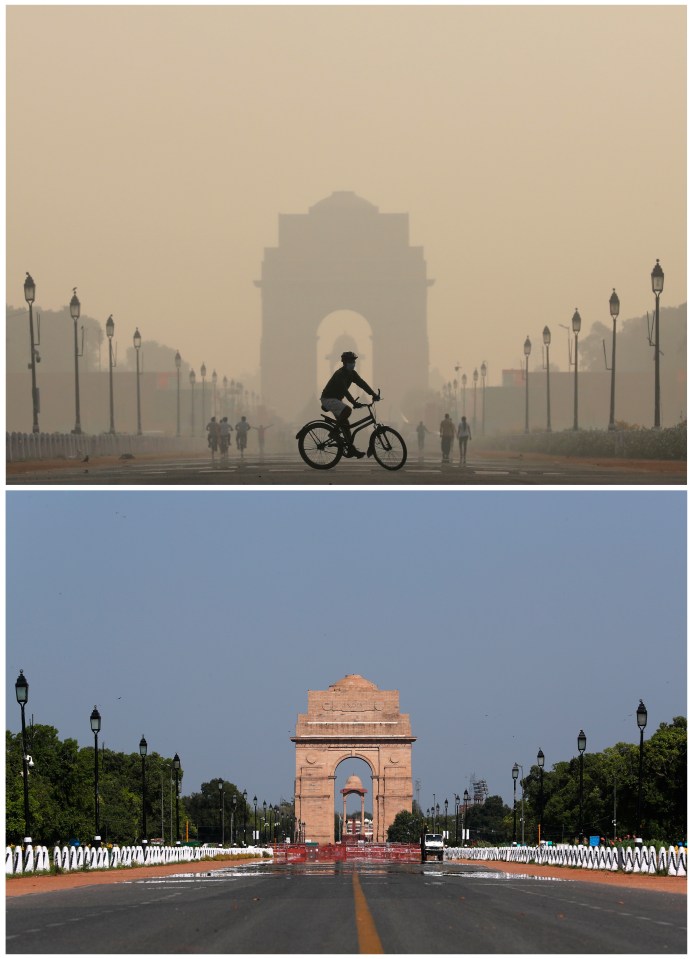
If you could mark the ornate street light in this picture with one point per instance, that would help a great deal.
(233, 816)
(176, 766)
(516, 773)
(657, 287)
(576, 324)
(255, 832)
(221, 810)
(614, 308)
(464, 394)
(465, 797)
(30, 296)
(540, 764)
(143, 755)
(475, 378)
(245, 816)
(192, 402)
(95, 723)
(484, 369)
(137, 343)
(177, 361)
(446, 816)
(546, 336)
(214, 391)
(21, 689)
(203, 374)
(582, 746)
(641, 716)
(74, 313)
(110, 329)
(527, 350)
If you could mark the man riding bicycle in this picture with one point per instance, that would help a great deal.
(336, 389)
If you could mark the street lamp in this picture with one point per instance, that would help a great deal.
(178, 363)
(546, 335)
(484, 369)
(30, 296)
(614, 307)
(582, 746)
(245, 816)
(203, 374)
(110, 328)
(475, 377)
(264, 817)
(457, 818)
(437, 818)
(74, 313)
(176, 766)
(516, 773)
(233, 816)
(254, 819)
(641, 716)
(657, 287)
(465, 797)
(137, 343)
(446, 815)
(214, 391)
(464, 394)
(576, 324)
(528, 350)
(540, 764)
(221, 810)
(143, 754)
(21, 689)
(192, 402)
(95, 723)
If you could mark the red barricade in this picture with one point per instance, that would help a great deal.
(334, 852)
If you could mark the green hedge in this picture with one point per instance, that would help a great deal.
(643, 444)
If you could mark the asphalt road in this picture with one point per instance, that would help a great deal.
(348, 908)
(290, 470)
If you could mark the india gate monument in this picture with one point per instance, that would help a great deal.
(344, 254)
(352, 719)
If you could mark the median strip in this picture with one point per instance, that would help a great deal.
(369, 940)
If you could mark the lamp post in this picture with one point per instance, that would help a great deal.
(657, 287)
(178, 363)
(446, 816)
(245, 816)
(176, 766)
(221, 810)
(137, 343)
(95, 722)
(540, 764)
(528, 350)
(110, 329)
(457, 819)
(641, 716)
(254, 819)
(214, 392)
(21, 689)
(74, 313)
(264, 817)
(464, 821)
(484, 369)
(225, 399)
(582, 746)
(546, 335)
(437, 818)
(475, 377)
(464, 394)
(30, 296)
(233, 816)
(192, 402)
(614, 307)
(203, 374)
(576, 324)
(143, 755)
(516, 773)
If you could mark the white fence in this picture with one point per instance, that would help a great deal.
(42, 446)
(671, 861)
(32, 859)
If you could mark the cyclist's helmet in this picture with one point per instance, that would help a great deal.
(349, 357)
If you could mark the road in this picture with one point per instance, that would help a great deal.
(492, 469)
(348, 908)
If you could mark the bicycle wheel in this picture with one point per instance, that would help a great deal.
(389, 448)
(318, 447)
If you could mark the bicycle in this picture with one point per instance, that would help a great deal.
(321, 443)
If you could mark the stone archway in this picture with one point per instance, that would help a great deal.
(352, 718)
(342, 255)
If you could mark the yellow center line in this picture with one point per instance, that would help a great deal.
(369, 940)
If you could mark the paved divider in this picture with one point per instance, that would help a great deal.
(31, 859)
(671, 861)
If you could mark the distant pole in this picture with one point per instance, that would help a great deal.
(30, 296)
(203, 374)
(110, 329)
(527, 351)
(540, 764)
(143, 755)
(74, 313)
(192, 402)
(95, 722)
(516, 773)
(641, 715)
(614, 307)
(176, 766)
(475, 378)
(657, 287)
(137, 343)
(21, 688)
(464, 394)
(576, 322)
(547, 343)
(178, 362)
(483, 398)
(582, 746)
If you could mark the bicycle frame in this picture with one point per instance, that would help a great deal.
(359, 425)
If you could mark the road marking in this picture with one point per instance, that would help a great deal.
(369, 940)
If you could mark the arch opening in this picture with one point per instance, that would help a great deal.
(337, 332)
(353, 793)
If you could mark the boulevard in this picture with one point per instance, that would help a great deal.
(328, 908)
(483, 469)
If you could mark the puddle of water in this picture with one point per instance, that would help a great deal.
(488, 874)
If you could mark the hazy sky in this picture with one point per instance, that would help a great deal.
(507, 620)
(539, 151)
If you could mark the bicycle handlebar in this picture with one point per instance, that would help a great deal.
(375, 399)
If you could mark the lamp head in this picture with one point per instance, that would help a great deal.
(137, 339)
(581, 742)
(203, 371)
(614, 305)
(177, 360)
(21, 688)
(546, 335)
(475, 375)
(176, 762)
(576, 321)
(540, 759)
(74, 305)
(192, 377)
(528, 346)
(483, 370)
(516, 771)
(110, 327)
(143, 746)
(30, 288)
(95, 720)
(657, 279)
(641, 715)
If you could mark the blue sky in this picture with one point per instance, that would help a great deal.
(508, 621)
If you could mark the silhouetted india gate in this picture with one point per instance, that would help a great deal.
(352, 719)
(342, 255)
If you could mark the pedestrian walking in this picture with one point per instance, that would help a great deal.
(213, 435)
(447, 435)
(261, 436)
(421, 431)
(464, 434)
(242, 429)
(225, 430)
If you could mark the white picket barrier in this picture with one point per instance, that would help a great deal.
(638, 859)
(9, 860)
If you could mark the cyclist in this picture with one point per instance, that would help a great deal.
(242, 428)
(336, 389)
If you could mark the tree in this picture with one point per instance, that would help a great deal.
(406, 827)
(205, 810)
(490, 821)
